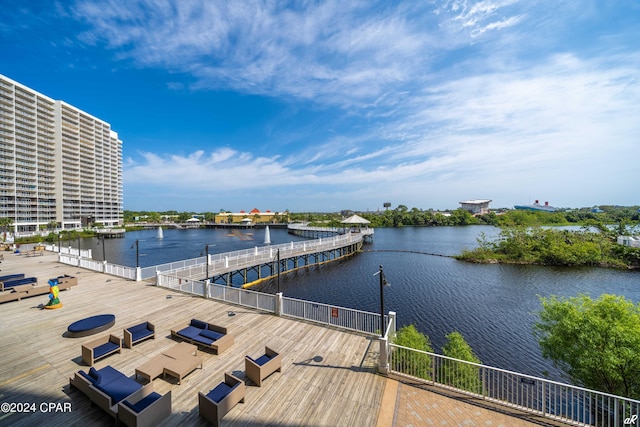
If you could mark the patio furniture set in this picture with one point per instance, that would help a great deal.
(135, 404)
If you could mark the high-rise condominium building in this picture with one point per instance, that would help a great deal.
(58, 164)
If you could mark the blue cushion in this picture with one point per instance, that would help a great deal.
(211, 334)
(198, 324)
(218, 393)
(87, 377)
(202, 339)
(140, 327)
(105, 348)
(140, 333)
(119, 389)
(190, 332)
(91, 323)
(262, 360)
(143, 403)
(109, 373)
(95, 375)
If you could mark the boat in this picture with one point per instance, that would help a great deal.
(537, 207)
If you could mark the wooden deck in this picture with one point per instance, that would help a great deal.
(328, 376)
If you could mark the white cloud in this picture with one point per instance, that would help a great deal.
(471, 95)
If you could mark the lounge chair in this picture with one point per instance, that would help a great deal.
(136, 333)
(106, 387)
(100, 347)
(265, 365)
(217, 402)
(144, 408)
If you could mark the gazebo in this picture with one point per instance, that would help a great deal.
(355, 220)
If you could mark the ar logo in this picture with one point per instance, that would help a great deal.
(631, 420)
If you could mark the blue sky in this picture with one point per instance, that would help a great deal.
(323, 106)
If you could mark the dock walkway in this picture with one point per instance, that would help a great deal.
(328, 376)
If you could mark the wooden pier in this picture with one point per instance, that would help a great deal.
(244, 268)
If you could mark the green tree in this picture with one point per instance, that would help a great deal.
(459, 374)
(411, 362)
(5, 225)
(597, 343)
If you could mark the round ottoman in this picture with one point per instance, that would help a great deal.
(91, 325)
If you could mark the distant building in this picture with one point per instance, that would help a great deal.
(476, 207)
(252, 217)
(58, 164)
(631, 241)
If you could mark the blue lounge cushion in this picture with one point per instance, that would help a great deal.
(94, 375)
(109, 373)
(211, 334)
(143, 403)
(87, 377)
(190, 332)
(119, 389)
(203, 340)
(92, 322)
(262, 360)
(105, 348)
(140, 331)
(218, 393)
(198, 324)
(140, 327)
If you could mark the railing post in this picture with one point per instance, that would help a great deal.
(157, 278)
(138, 274)
(383, 363)
(278, 304)
(205, 292)
(392, 323)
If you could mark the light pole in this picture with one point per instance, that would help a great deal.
(79, 253)
(137, 254)
(104, 253)
(206, 251)
(383, 283)
(278, 260)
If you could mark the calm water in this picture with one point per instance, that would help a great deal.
(493, 306)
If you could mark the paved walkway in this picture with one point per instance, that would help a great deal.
(404, 405)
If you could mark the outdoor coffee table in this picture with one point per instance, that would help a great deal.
(180, 368)
(152, 368)
(180, 360)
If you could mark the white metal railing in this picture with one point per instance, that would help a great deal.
(341, 230)
(341, 317)
(120, 271)
(550, 399)
(331, 315)
(229, 261)
(149, 272)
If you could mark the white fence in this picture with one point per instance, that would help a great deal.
(550, 399)
(330, 315)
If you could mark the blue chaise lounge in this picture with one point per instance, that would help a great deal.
(205, 334)
(106, 387)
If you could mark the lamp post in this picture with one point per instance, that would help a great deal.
(278, 261)
(79, 253)
(137, 255)
(104, 253)
(383, 283)
(59, 241)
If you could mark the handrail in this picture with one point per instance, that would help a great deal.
(551, 399)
